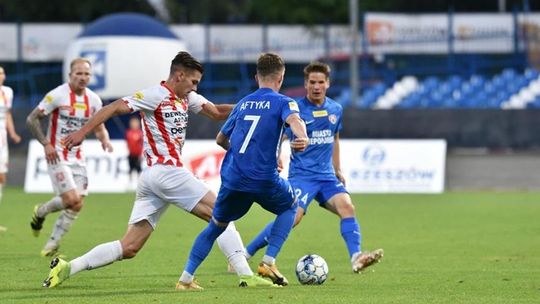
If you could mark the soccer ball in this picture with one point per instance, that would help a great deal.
(311, 269)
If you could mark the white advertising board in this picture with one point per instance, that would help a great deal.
(415, 166)
(107, 172)
(390, 166)
(370, 166)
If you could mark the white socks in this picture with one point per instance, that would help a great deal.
(99, 256)
(231, 245)
(186, 277)
(55, 204)
(268, 260)
(62, 225)
(355, 256)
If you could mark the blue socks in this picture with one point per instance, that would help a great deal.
(350, 231)
(280, 231)
(202, 246)
(260, 241)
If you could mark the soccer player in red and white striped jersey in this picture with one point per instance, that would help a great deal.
(68, 106)
(6, 127)
(165, 181)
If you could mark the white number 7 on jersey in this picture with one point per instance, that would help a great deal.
(255, 121)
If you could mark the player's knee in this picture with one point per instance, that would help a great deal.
(2, 178)
(73, 202)
(346, 210)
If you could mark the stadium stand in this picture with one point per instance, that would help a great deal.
(509, 89)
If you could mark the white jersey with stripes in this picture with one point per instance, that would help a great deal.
(6, 99)
(68, 113)
(164, 119)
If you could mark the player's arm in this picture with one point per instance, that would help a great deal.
(216, 112)
(336, 162)
(279, 160)
(10, 127)
(33, 123)
(223, 141)
(298, 128)
(103, 136)
(118, 107)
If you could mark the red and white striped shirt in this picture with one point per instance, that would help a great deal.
(6, 98)
(164, 119)
(69, 113)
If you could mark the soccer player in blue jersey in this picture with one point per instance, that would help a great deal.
(316, 172)
(249, 173)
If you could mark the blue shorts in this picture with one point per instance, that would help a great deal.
(307, 190)
(232, 204)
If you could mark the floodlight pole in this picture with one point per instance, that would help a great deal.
(353, 27)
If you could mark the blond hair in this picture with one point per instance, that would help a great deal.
(77, 61)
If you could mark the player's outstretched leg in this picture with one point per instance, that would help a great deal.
(37, 222)
(255, 281)
(278, 234)
(60, 271)
(230, 243)
(365, 259)
(260, 241)
(199, 251)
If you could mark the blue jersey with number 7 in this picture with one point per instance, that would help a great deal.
(254, 129)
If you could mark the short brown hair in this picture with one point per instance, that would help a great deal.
(317, 67)
(269, 65)
(79, 60)
(184, 60)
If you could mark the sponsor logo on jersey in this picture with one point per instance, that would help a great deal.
(179, 101)
(48, 98)
(79, 106)
(293, 106)
(321, 113)
(138, 95)
(332, 118)
(175, 131)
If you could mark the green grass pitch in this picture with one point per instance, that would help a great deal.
(449, 248)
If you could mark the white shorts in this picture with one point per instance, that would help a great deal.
(159, 186)
(4, 158)
(65, 177)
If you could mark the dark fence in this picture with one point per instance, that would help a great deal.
(461, 128)
(495, 129)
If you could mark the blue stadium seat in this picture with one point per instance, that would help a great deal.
(430, 83)
(508, 74)
(498, 81)
(455, 81)
(477, 81)
(531, 74)
(534, 104)
(344, 97)
(412, 101)
(490, 89)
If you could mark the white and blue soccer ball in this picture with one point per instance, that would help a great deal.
(311, 269)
